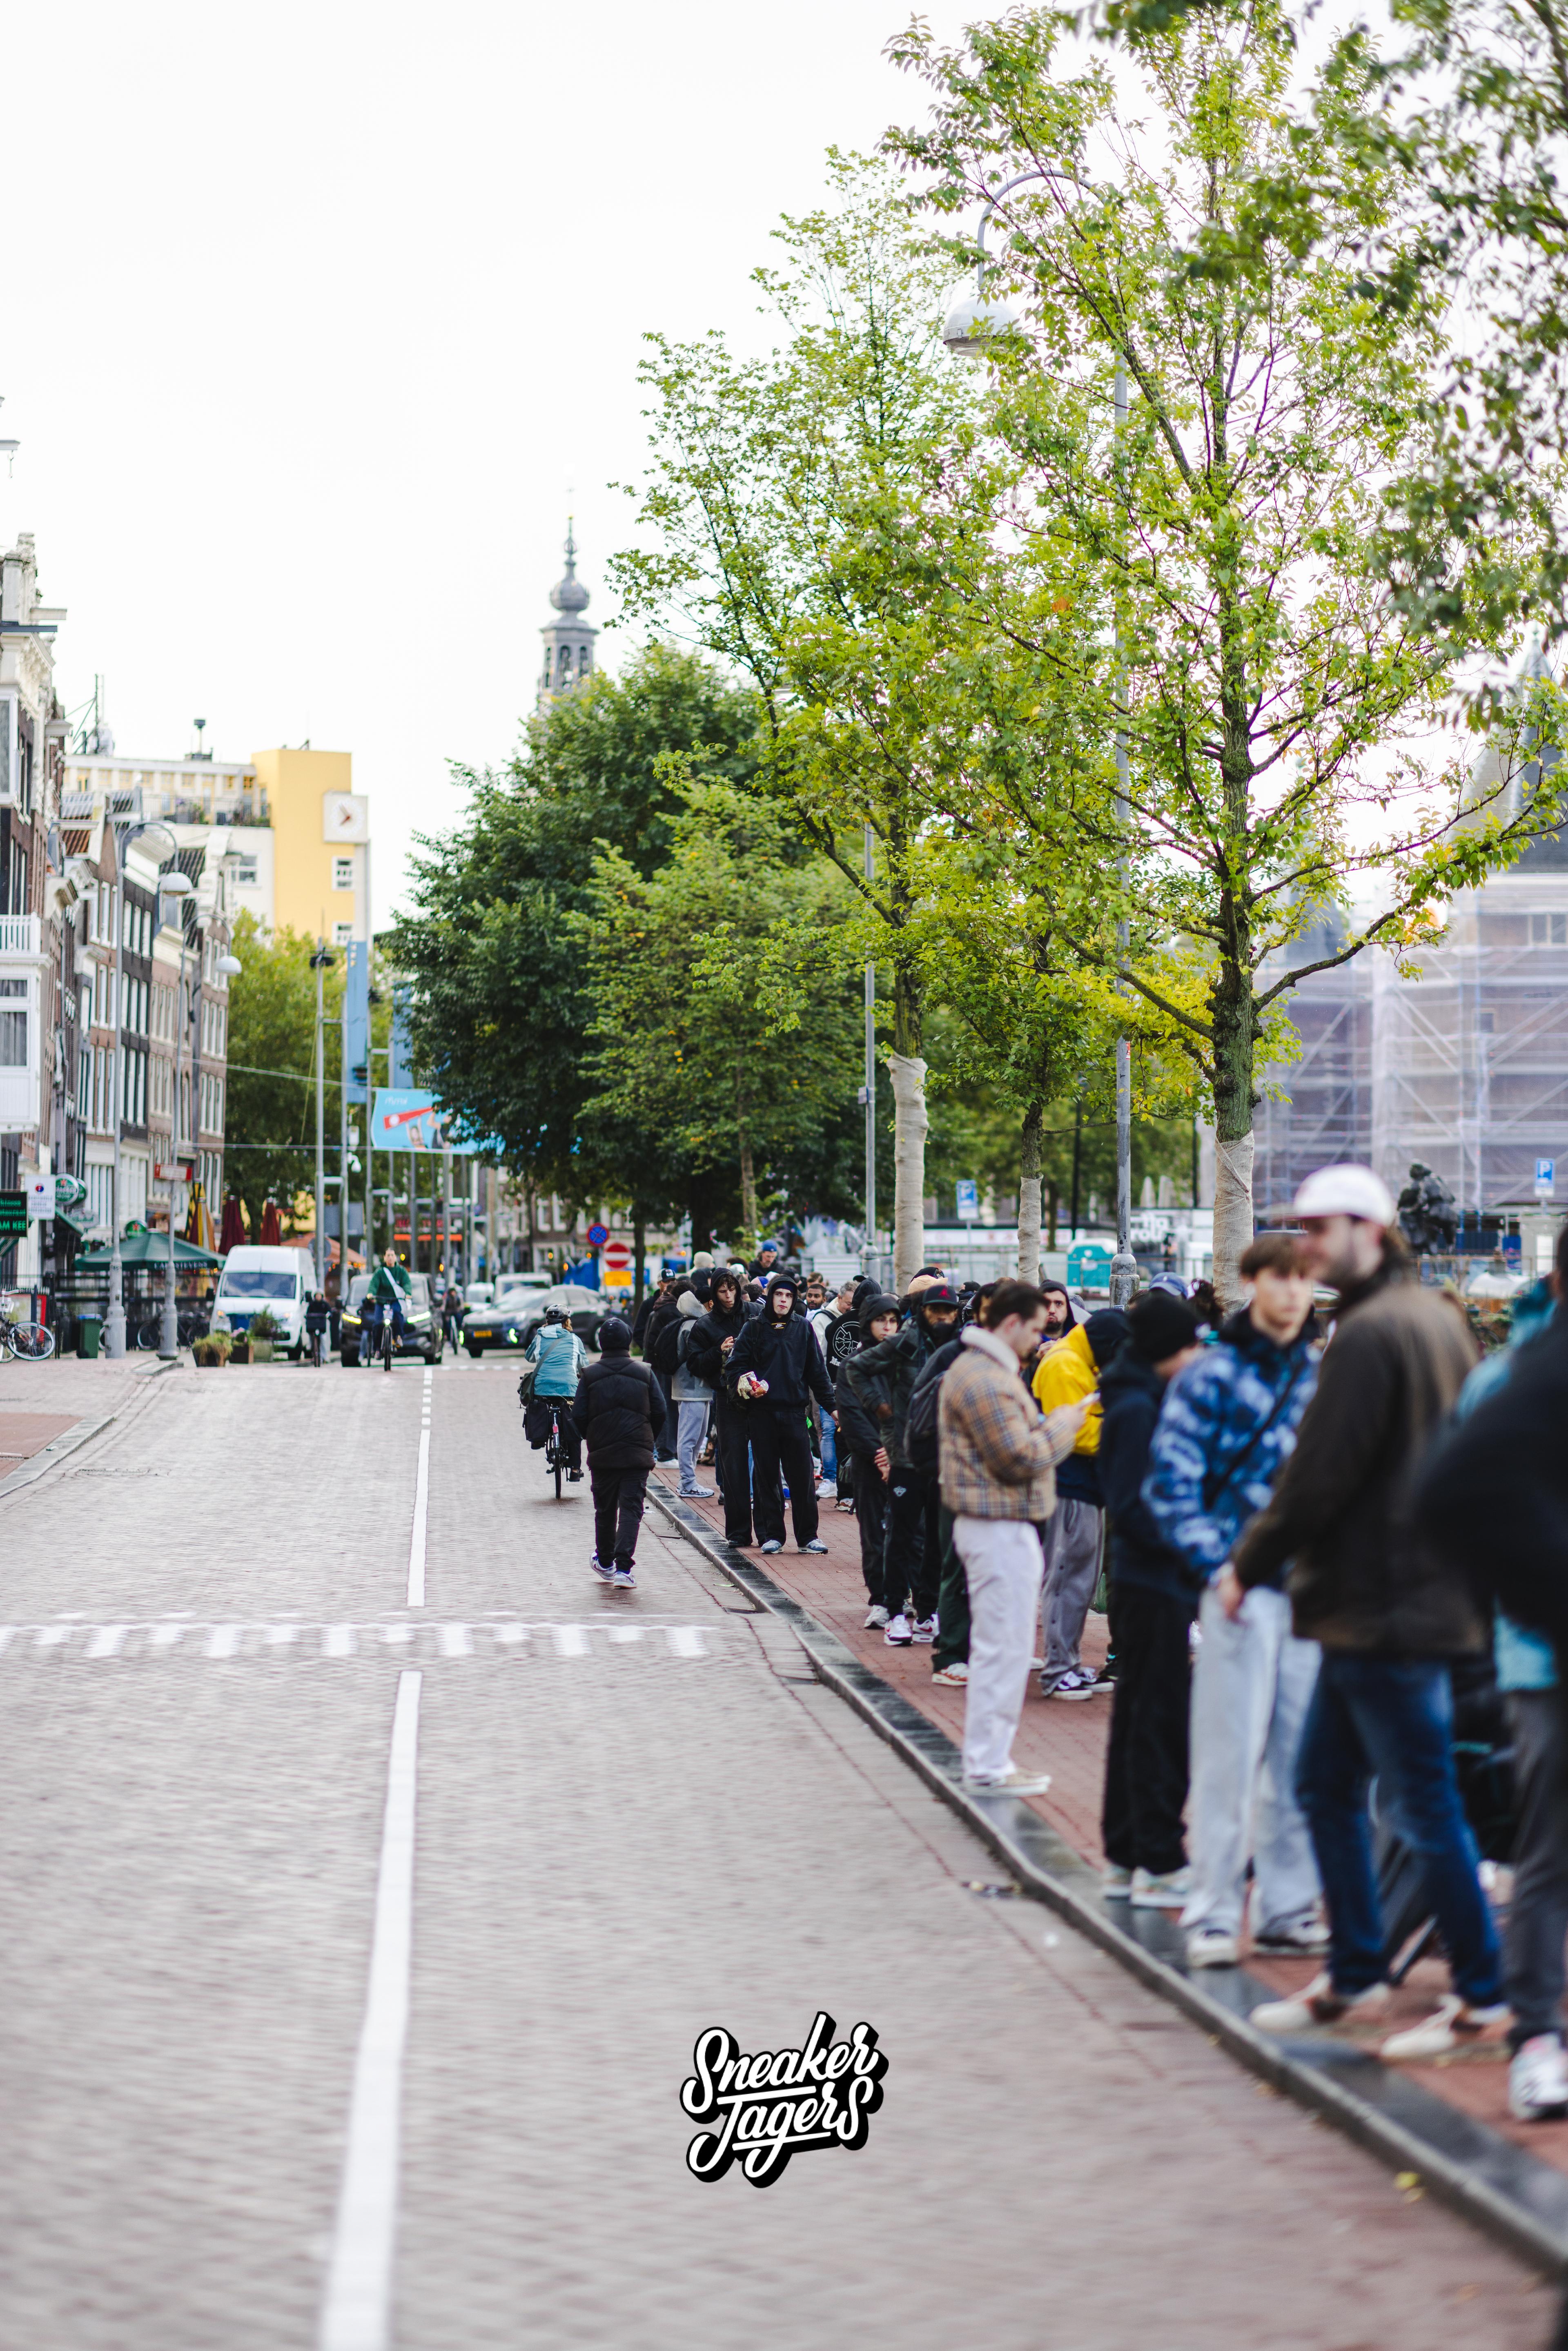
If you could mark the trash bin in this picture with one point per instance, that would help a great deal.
(89, 1330)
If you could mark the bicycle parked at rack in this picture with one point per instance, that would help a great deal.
(28, 1341)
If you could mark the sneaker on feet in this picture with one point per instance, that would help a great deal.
(845, 1503)
(1453, 2024)
(814, 1545)
(1538, 2080)
(696, 1493)
(773, 1546)
(602, 1567)
(1321, 2004)
(574, 1477)
(875, 1618)
(1211, 1947)
(900, 1632)
(1304, 1940)
(953, 1677)
(1009, 1784)
(1070, 1685)
(1116, 1883)
(825, 1489)
(1161, 1889)
(925, 1629)
(624, 1579)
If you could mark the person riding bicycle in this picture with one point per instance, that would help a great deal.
(317, 1323)
(559, 1356)
(389, 1285)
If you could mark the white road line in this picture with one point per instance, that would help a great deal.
(571, 1640)
(107, 1641)
(356, 2315)
(420, 1504)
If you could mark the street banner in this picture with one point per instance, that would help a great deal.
(404, 1119)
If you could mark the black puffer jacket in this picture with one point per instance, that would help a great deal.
(618, 1405)
(706, 1358)
(1361, 1577)
(882, 1380)
(785, 1354)
(1132, 1392)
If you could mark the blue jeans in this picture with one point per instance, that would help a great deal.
(830, 1449)
(1392, 1718)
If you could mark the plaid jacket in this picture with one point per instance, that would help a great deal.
(993, 1450)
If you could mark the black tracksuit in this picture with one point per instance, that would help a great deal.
(618, 1409)
(785, 1354)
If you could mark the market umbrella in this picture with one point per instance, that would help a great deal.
(271, 1233)
(146, 1248)
(233, 1227)
(199, 1220)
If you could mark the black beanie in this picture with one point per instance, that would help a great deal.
(1161, 1326)
(614, 1338)
(1105, 1331)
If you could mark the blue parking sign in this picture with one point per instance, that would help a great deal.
(1545, 1174)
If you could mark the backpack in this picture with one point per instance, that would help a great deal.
(683, 1343)
(920, 1428)
(664, 1355)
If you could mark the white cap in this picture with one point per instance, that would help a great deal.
(1347, 1191)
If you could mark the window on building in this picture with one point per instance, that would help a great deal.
(13, 1024)
(341, 934)
(342, 873)
(245, 875)
(1549, 930)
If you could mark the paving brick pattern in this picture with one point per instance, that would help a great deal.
(618, 1845)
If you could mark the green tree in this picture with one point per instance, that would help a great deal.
(494, 942)
(1269, 687)
(269, 1140)
(725, 1018)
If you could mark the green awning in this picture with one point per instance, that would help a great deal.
(147, 1248)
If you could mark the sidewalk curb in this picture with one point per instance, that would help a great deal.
(1512, 2195)
(60, 1449)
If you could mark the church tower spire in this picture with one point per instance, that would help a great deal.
(569, 641)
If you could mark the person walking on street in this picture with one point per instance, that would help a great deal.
(774, 1370)
(692, 1398)
(1154, 1594)
(862, 1439)
(618, 1409)
(997, 1455)
(1494, 1501)
(1067, 1371)
(1228, 1424)
(1391, 1613)
(708, 1350)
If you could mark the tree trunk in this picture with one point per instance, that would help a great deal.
(1028, 1193)
(1234, 1040)
(910, 1126)
(748, 1197)
(1053, 1202)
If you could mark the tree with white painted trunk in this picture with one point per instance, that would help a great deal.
(1273, 693)
(804, 516)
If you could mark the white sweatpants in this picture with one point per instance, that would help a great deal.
(1252, 1686)
(1004, 1564)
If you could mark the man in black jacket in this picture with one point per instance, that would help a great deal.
(708, 1350)
(1155, 1597)
(862, 1442)
(1391, 1614)
(775, 1365)
(883, 1377)
(618, 1408)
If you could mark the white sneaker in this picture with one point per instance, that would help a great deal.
(1453, 2024)
(696, 1493)
(773, 1546)
(925, 1629)
(1211, 1947)
(1070, 1687)
(1300, 1942)
(875, 1618)
(814, 1545)
(1161, 1889)
(826, 1489)
(900, 1632)
(1321, 2004)
(1538, 2080)
(1010, 1783)
(954, 1677)
(1116, 1883)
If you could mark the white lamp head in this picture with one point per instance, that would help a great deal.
(176, 884)
(975, 321)
(230, 967)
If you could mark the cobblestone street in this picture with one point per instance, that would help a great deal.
(634, 1815)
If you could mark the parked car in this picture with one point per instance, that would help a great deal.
(254, 1279)
(422, 1333)
(513, 1318)
(478, 1293)
(509, 1285)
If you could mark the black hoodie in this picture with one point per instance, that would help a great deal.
(787, 1355)
(1132, 1393)
(706, 1358)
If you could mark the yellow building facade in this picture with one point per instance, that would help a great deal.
(321, 848)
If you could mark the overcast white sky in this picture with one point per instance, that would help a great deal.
(318, 314)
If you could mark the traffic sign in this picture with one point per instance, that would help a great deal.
(615, 1256)
(597, 1236)
(969, 1201)
(1545, 1178)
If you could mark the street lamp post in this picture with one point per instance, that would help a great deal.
(970, 324)
(321, 961)
(114, 1319)
(175, 885)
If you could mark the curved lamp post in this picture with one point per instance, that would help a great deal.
(974, 321)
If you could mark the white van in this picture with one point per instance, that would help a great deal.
(277, 1279)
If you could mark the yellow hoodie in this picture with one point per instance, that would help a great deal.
(1068, 1372)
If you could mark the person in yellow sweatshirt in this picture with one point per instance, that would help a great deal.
(1068, 1372)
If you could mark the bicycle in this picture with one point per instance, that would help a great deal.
(386, 1334)
(558, 1450)
(29, 1342)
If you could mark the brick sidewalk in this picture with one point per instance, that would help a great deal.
(1069, 1741)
